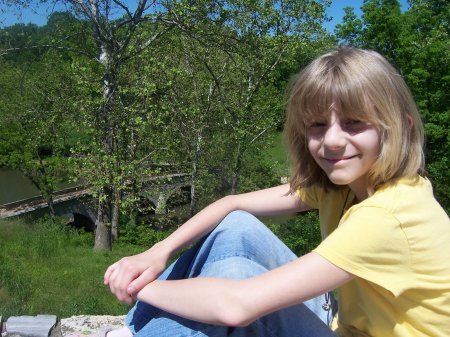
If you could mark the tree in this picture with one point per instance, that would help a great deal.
(260, 38)
(382, 26)
(35, 123)
(350, 30)
(427, 71)
(194, 112)
(112, 27)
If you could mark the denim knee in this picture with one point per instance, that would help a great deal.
(242, 234)
(242, 224)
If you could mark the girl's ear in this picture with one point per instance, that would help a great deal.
(410, 120)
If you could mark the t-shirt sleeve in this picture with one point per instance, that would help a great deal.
(370, 243)
(310, 196)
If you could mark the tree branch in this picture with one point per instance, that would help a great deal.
(125, 8)
(19, 49)
(258, 135)
(145, 45)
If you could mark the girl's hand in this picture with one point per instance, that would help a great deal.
(129, 275)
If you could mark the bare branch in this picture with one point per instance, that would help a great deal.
(19, 49)
(125, 8)
(258, 135)
(146, 44)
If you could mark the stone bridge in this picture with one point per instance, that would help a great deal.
(78, 205)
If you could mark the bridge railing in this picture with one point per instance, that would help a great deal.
(71, 192)
(40, 199)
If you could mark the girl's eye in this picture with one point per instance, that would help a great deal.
(316, 128)
(317, 124)
(354, 124)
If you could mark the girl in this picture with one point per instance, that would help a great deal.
(355, 138)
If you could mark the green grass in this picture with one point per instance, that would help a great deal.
(278, 154)
(48, 269)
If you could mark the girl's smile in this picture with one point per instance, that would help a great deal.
(338, 160)
(345, 150)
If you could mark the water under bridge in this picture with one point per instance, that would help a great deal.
(78, 204)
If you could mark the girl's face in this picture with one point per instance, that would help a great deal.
(345, 149)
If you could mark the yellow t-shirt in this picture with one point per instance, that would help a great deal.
(397, 244)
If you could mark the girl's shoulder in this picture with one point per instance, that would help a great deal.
(408, 200)
(317, 196)
(402, 191)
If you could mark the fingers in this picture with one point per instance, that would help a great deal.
(140, 282)
(129, 275)
(108, 273)
(118, 277)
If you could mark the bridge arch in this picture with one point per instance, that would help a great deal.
(77, 202)
(80, 212)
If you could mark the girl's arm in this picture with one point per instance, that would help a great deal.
(240, 302)
(129, 275)
(271, 201)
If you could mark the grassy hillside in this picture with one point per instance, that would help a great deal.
(52, 269)
(47, 269)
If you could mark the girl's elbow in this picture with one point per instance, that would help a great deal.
(236, 316)
(231, 202)
(235, 307)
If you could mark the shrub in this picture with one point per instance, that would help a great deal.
(301, 233)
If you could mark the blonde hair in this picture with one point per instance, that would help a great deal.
(361, 85)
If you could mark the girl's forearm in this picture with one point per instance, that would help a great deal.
(240, 302)
(199, 225)
(271, 201)
(207, 300)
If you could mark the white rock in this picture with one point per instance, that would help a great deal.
(77, 326)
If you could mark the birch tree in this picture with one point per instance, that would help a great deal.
(110, 28)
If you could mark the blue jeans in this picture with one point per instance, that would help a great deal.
(239, 247)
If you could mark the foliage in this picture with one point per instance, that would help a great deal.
(300, 233)
(258, 173)
(350, 30)
(145, 234)
(35, 121)
(49, 268)
(208, 70)
(190, 88)
(264, 166)
(19, 36)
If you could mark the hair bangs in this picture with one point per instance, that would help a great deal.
(319, 101)
(337, 89)
(351, 95)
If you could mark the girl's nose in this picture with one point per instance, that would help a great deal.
(334, 136)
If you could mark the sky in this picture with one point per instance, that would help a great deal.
(336, 11)
(39, 16)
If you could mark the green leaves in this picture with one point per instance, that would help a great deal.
(350, 30)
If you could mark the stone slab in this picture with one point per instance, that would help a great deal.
(30, 326)
(82, 326)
